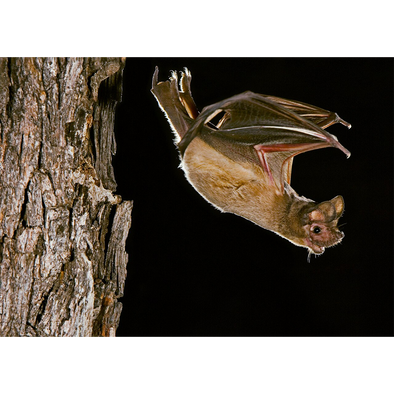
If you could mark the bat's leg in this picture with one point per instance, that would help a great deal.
(186, 94)
(331, 119)
(189, 105)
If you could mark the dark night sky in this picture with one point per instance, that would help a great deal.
(194, 271)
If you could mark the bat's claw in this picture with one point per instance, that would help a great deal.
(347, 124)
(155, 78)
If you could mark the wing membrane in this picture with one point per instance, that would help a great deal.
(276, 129)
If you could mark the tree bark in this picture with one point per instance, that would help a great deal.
(62, 229)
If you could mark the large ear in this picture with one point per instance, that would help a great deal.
(323, 212)
(339, 205)
(328, 211)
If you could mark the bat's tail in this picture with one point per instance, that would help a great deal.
(176, 101)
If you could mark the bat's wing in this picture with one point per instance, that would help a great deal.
(272, 131)
(319, 116)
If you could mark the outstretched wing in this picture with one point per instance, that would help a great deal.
(319, 116)
(266, 129)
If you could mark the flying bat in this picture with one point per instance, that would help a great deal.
(238, 154)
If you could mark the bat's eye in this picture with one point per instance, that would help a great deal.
(317, 230)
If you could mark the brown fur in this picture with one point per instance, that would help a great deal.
(243, 188)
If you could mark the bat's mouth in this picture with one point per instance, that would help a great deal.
(316, 249)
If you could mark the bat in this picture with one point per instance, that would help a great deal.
(238, 155)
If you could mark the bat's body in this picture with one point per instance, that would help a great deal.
(243, 164)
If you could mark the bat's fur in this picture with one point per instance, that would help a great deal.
(243, 187)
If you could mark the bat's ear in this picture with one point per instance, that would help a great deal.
(323, 212)
(328, 211)
(339, 205)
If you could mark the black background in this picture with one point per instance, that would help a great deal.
(194, 271)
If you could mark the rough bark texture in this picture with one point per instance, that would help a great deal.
(62, 230)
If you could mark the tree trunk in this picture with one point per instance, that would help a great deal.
(62, 230)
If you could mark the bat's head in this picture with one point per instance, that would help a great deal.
(321, 225)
